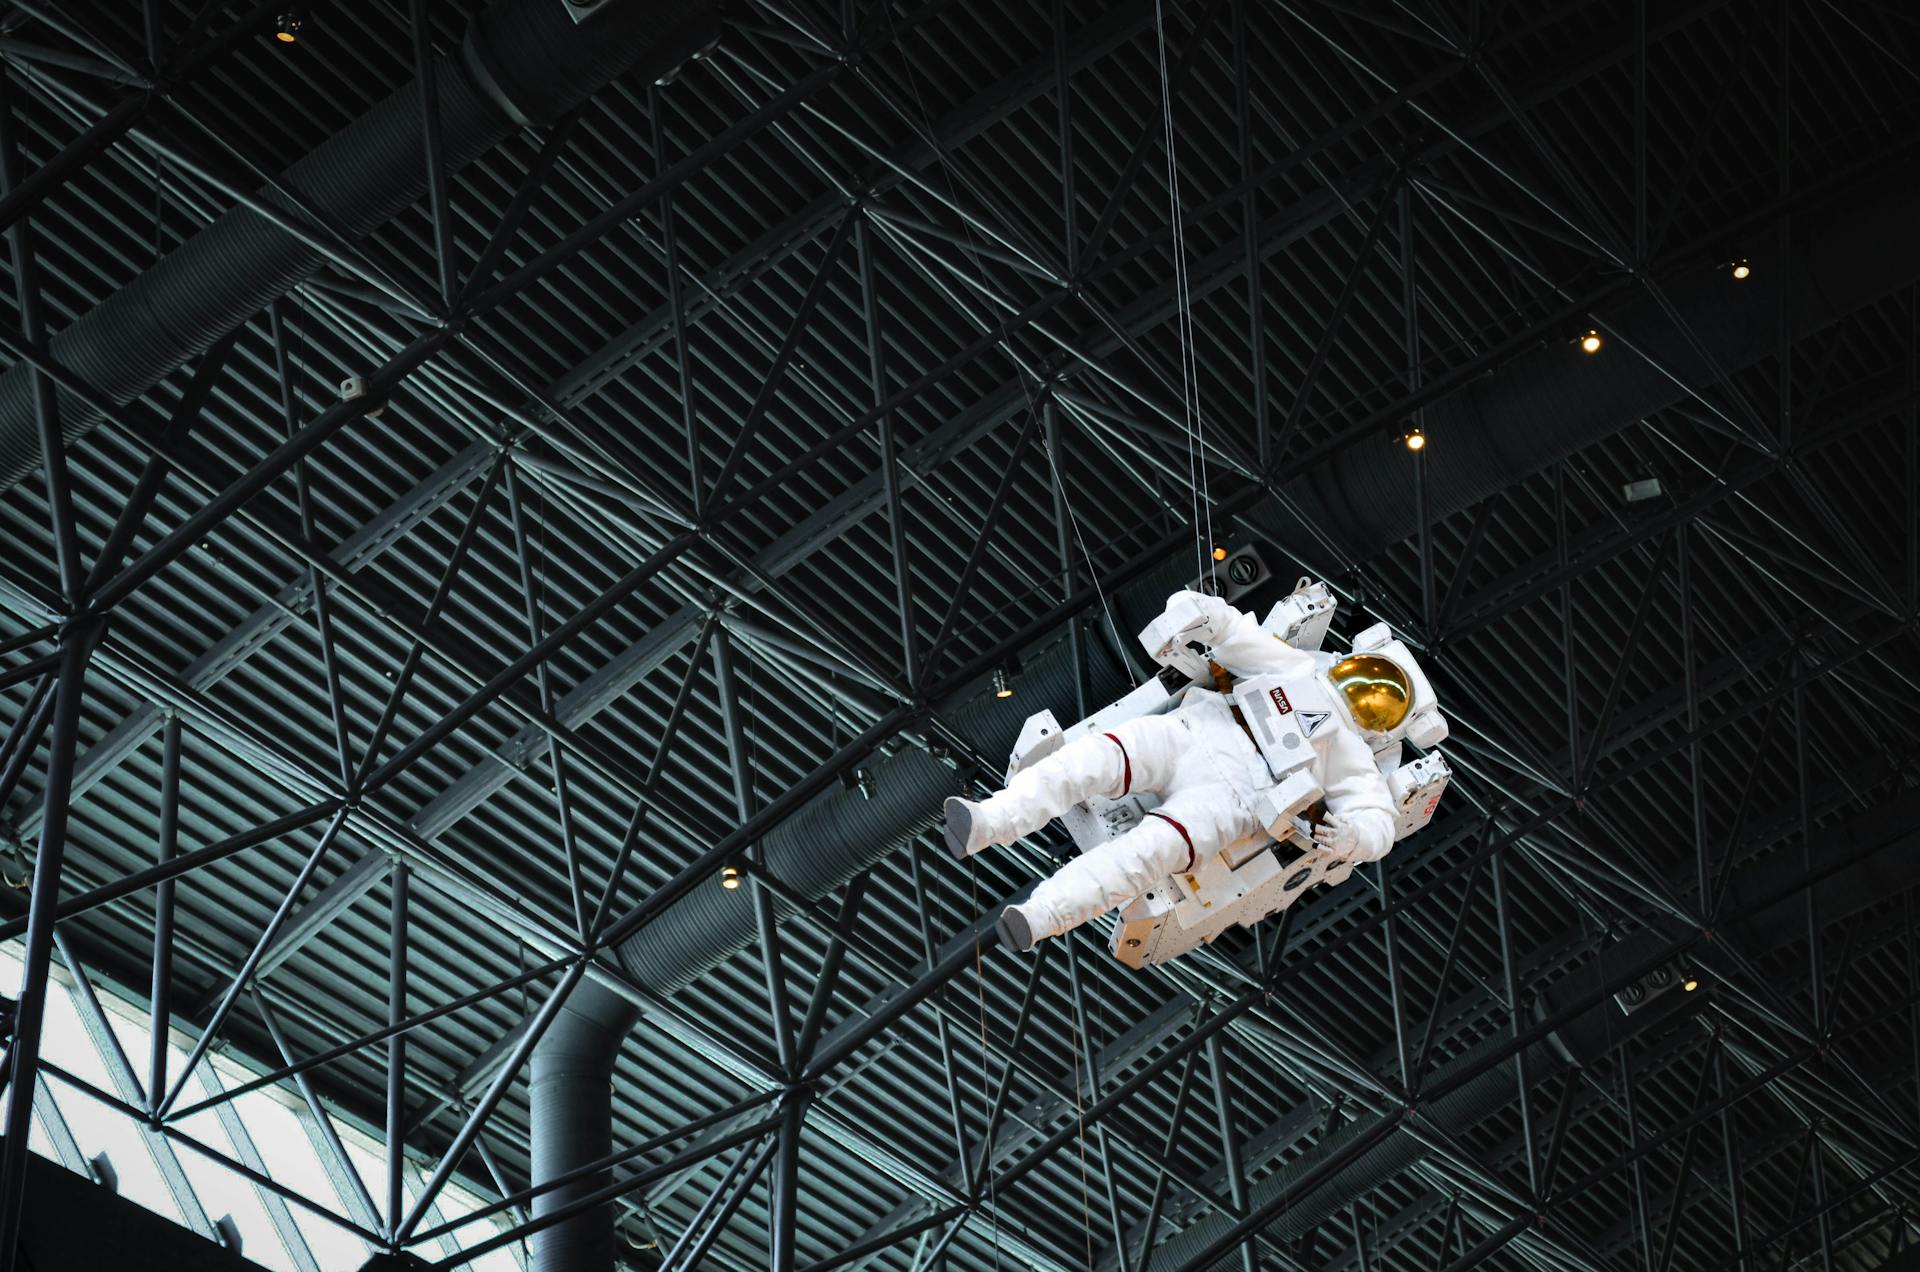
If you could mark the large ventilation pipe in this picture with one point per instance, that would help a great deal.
(1546, 404)
(1500, 430)
(524, 62)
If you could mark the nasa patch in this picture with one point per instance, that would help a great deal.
(1280, 702)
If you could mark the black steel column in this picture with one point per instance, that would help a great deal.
(160, 1010)
(786, 1178)
(396, 1045)
(45, 896)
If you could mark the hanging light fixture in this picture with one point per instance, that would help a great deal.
(1741, 269)
(1415, 438)
(1591, 342)
(1002, 683)
(286, 28)
(1219, 554)
(730, 878)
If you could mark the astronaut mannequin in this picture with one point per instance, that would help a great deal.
(1202, 762)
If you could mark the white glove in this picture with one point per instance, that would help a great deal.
(1336, 837)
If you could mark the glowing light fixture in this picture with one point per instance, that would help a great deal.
(286, 27)
(1741, 269)
(1689, 982)
(1002, 685)
(730, 878)
(1591, 342)
(1219, 554)
(1415, 438)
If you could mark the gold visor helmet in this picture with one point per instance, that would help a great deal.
(1377, 691)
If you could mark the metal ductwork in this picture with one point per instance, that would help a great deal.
(570, 1105)
(1548, 403)
(523, 63)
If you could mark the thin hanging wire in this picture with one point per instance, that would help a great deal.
(1183, 313)
(986, 1100)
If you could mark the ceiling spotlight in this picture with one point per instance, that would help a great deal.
(286, 28)
(1219, 554)
(1741, 269)
(1689, 981)
(730, 878)
(1591, 342)
(1415, 438)
(1002, 683)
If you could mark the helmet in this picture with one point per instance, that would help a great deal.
(1377, 690)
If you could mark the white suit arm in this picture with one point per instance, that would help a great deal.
(1236, 639)
(1358, 796)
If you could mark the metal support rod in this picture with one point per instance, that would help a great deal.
(1736, 1176)
(1510, 983)
(1176, 1117)
(670, 239)
(1640, 1217)
(721, 1191)
(23, 740)
(322, 604)
(351, 1189)
(293, 1069)
(772, 966)
(23, 1055)
(53, 456)
(916, 880)
(496, 1091)
(416, 649)
(175, 1135)
(1670, 1229)
(786, 1178)
(797, 328)
(962, 594)
(836, 956)
(889, 463)
(697, 1254)
(262, 474)
(599, 1166)
(601, 1196)
(983, 1170)
(1087, 1060)
(1229, 1145)
(504, 679)
(1396, 994)
(260, 946)
(1446, 974)
(430, 132)
(397, 930)
(159, 1022)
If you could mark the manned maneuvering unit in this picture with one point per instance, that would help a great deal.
(1255, 767)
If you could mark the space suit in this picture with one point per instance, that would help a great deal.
(1202, 762)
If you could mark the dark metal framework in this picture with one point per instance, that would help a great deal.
(489, 688)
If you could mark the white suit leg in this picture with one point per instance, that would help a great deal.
(1191, 824)
(1137, 755)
